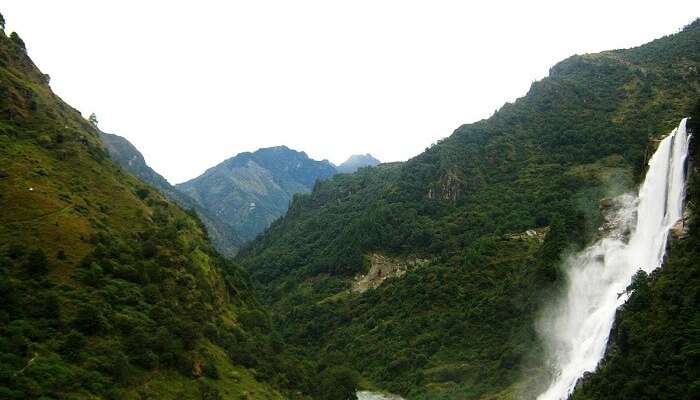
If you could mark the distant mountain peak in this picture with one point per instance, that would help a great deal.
(281, 148)
(357, 161)
(252, 189)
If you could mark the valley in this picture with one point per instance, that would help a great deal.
(547, 252)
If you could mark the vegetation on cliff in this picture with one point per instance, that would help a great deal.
(462, 326)
(654, 349)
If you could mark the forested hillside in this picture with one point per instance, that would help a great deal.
(108, 290)
(490, 210)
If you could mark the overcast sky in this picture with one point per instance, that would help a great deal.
(192, 83)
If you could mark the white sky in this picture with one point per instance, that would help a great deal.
(192, 83)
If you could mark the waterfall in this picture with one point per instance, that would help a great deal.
(577, 330)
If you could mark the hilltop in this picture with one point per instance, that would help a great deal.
(357, 161)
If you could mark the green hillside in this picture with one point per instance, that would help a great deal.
(108, 290)
(488, 212)
(423, 278)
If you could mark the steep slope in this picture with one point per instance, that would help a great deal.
(251, 190)
(654, 348)
(357, 161)
(127, 155)
(107, 290)
(492, 208)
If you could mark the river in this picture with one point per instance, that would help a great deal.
(367, 395)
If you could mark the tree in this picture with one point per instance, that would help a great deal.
(72, 344)
(2, 22)
(17, 40)
(93, 119)
(89, 319)
(37, 263)
(338, 383)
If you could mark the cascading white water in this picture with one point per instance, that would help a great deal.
(577, 331)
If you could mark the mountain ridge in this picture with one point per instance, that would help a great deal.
(252, 189)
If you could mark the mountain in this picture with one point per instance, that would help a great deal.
(250, 190)
(129, 157)
(108, 289)
(357, 161)
(428, 276)
(224, 238)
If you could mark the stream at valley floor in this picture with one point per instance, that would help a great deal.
(367, 395)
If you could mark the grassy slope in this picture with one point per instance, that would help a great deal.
(462, 327)
(107, 290)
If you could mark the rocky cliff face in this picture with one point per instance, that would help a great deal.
(249, 191)
(383, 267)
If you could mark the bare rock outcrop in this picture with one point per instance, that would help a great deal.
(383, 267)
(679, 230)
(537, 234)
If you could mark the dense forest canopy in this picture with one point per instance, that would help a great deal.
(462, 326)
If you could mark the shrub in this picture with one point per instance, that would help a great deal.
(17, 40)
(142, 193)
(37, 263)
(338, 383)
(89, 319)
(72, 345)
